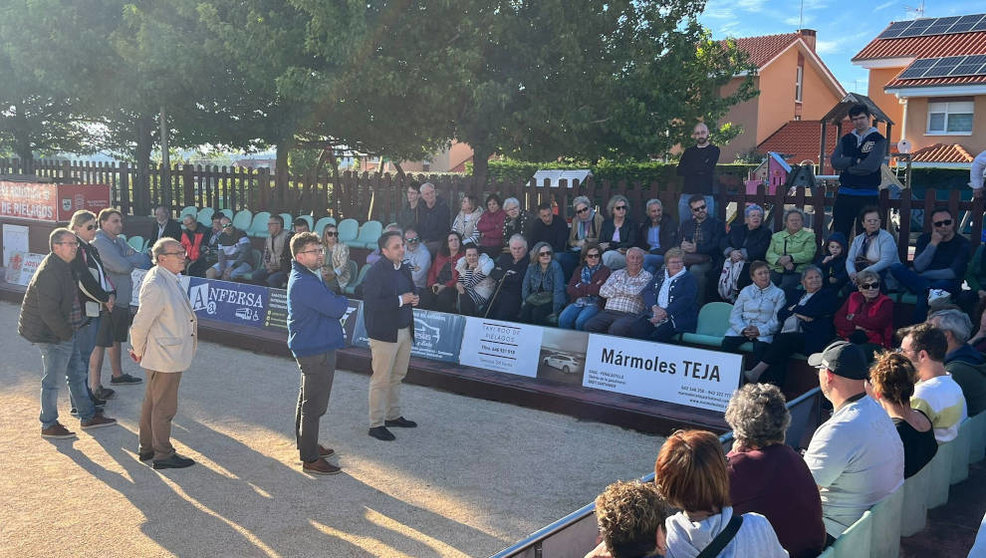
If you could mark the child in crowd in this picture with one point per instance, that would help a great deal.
(833, 263)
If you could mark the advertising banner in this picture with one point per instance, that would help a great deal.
(225, 301)
(502, 346)
(137, 279)
(15, 239)
(73, 197)
(562, 356)
(28, 200)
(21, 267)
(437, 336)
(277, 313)
(671, 373)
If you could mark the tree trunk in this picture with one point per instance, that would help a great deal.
(281, 172)
(22, 141)
(480, 163)
(144, 129)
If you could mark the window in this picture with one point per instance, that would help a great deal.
(798, 83)
(953, 117)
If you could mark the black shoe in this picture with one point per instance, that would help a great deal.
(145, 455)
(124, 379)
(381, 433)
(103, 393)
(401, 422)
(174, 462)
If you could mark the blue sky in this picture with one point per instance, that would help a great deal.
(844, 26)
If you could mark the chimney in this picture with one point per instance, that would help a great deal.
(809, 36)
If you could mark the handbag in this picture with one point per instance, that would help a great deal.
(539, 298)
(723, 538)
(694, 258)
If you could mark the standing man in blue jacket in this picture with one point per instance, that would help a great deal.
(314, 334)
(857, 157)
(389, 296)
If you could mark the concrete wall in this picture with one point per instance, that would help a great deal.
(744, 114)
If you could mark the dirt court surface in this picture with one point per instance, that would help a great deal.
(474, 477)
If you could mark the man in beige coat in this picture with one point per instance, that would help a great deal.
(164, 338)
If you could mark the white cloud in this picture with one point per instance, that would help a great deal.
(884, 6)
(795, 21)
(754, 6)
(829, 47)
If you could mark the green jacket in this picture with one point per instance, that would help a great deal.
(801, 246)
(974, 273)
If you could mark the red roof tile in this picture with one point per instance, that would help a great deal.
(925, 82)
(764, 48)
(801, 139)
(924, 47)
(942, 153)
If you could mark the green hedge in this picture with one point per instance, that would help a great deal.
(941, 180)
(515, 171)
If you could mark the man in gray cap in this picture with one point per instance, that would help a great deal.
(856, 457)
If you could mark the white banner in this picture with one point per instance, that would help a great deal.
(671, 373)
(15, 239)
(502, 346)
(137, 278)
(21, 267)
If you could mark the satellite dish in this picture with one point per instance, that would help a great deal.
(904, 146)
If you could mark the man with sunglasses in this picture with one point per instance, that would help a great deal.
(417, 257)
(940, 262)
(700, 236)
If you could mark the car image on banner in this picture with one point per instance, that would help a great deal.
(562, 356)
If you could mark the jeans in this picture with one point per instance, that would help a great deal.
(86, 336)
(58, 359)
(913, 282)
(685, 212)
(653, 262)
(276, 280)
(575, 316)
(317, 372)
(568, 260)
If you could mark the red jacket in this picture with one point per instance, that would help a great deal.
(193, 241)
(876, 317)
(577, 289)
(436, 267)
(490, 227)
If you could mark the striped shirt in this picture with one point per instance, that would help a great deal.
(942, 400)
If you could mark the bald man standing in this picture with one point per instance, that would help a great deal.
(697, 167)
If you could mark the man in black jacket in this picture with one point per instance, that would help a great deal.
(389, 296)
(697, 168)
(434, 221)
(50, 316)
(858, 156)
(164, 226)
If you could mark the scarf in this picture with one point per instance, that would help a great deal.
(588, 272)
(584, 225)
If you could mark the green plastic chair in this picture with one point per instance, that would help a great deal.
(977, 445)
(321, 224)
(243, 220)
(288, 219)
(713, 323)
(368, 235)
(885, 542)
(137, 242)
(353, 277)
(348, 229)
(351, 287)
(258, 228)
(227, 212)
(941, 474)
(960, 456)
(190, 210)
(205, 216)
(914, 513)
(856, 541)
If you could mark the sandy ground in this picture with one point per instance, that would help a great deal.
(473, 478)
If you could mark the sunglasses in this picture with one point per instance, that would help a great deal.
(581, 211)
(587, 256)
(412, 240)
(331, 233)
(228, 226)
(944, 223)
(620, 208)
(868, 286)
(543, 254)
(699, 208)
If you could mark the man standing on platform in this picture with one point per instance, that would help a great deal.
(697, 166)
(314, 334)
(858, 157)
(389, 296)
(164, 336)
(434, 221)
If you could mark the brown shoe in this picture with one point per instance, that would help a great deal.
(320, 467)
(324, 451)
(57, 431)
(98, 421)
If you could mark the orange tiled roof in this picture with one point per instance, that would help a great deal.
(925, 82)
(942, 153)
(764, 48)
(801, 139)
(930, 46)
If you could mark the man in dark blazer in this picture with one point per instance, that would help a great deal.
(164, 226)
(389, 296)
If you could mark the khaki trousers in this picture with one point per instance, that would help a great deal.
(160, 406)
(389, 363)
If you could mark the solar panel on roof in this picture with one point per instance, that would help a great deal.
(935, 26)
(981, 26)
(943, 67)
(896, 28)
(950, 66)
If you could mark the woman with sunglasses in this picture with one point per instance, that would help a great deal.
(586, 226)
(335, 270)
(543, 290)
(583, 289)
(96, 293)
(441, 294)
(618, 234)
(867, 316)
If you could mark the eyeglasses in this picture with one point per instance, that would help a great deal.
(331, 233)
(228, 226)
(581, 211)
(315, 251)
(412, 240)
(593, 256)
(699, 208)
(943, 223)
(182, 253)
(868, 286)
(543, 254)
(620, 208)
(272, 223)
(73, 243)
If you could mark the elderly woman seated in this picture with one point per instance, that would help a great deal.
(806, 327)
(473, 281)
(516, 221)
(866, 318)
(583, 289)
(691, 474)
(754, 315)
(891, 384)
(768, 477)
(791, 250)
(618, 234)
(743, 244)
(670, 305)
(543, 290)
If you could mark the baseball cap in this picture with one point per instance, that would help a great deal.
(844, 359)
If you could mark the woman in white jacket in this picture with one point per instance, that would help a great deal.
(466, 220)
(754, 315)
(474, 283)
(691, 474)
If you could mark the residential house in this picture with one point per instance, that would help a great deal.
(929, 75)
(795, 86)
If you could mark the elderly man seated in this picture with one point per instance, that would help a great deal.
(965, 364)
(622, 292)
(670, 305)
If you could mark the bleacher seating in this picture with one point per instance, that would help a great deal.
(713, 323)
(227, 212)
(369, 233)
(190, 210)
(258, 227)
(308, 219)
(243, 219)
(288, 219)
(321, 224)
(885, 542)
(855, 541)
(348, 230)
(137, 242)
(351, 287)
(205, 216)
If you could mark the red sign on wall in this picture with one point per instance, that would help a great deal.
(50, 202)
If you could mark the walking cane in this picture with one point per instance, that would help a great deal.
(493, 298)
